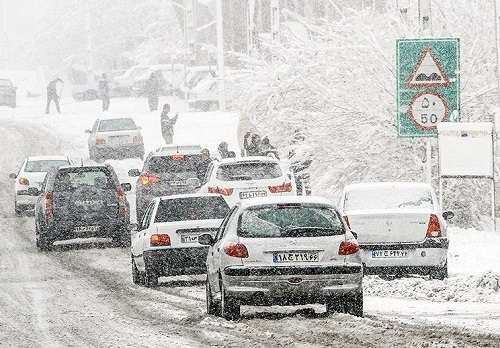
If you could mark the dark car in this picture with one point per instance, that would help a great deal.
(168, 171)
(7, 93)
(81, 202)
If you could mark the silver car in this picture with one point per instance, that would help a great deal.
(283, 251)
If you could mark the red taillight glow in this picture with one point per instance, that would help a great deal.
(236, 250)
(348, 247)
(24, 181)
(122, 199)
(159, 240)
(225, 191)
(434, 227)
(285, 187)
(148, 179)
(177, 157)
(100, 141)
(346, 219)
(49, 206)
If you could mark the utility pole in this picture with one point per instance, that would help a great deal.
(250, 27)
(496, 4)
(90, 62)
(3, 34)
(275, 20)
(220, 56)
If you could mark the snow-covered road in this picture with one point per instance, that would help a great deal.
(82, 295)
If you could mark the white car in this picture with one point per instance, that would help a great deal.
(283, 251)
(31, 175)
(166, 242)
(399, 226)
(249, 177)
(115, 138)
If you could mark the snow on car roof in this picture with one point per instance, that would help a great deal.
(387, 184)
(47, 158)
(107, 118)
(248, 159)
(180, 149)
(254, 202)
(188, 195)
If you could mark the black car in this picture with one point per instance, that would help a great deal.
(170, 170)
(7, 93)
(81, 202)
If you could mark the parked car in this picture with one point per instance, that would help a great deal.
(169, 170)
(249, 177)
(81, 202)
(7, 93)
(166, 243)
(283, 251)
(115, 138)
(31, 175)
(399, 226)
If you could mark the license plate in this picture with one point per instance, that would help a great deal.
(389, 254)
(306, 256)
(86, 229)
(252, 194)
(189, 238)
(177, 183)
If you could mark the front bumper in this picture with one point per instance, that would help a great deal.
(176, 261)
(291, 285)
(420, 257)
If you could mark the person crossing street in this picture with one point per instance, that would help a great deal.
(167, 124)
(53, 95)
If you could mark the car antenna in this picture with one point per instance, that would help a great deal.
(81, 162)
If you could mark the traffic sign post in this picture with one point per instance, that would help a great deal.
(428, 85)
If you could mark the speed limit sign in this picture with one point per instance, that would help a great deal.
(427, 110)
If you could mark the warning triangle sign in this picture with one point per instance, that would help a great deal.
(428, 72)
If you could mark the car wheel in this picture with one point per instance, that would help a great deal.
(150, 278)
(230, 308)
(43, 243)
(213, 308)
(353, 304)
(136, 275)
(439, 272)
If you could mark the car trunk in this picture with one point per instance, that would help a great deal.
(389, 226)
(118, 138)
(244, 189)
(184, 234)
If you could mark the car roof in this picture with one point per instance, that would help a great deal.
(47, 158)
(384, 184)
(249, 159)
(88, 166)
(188, 195)
(111, 118)
(177, 149)
(255, 202)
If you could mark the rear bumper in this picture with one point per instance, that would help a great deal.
(65, 230)
(291, 285)
(178, 261)
(420, 257)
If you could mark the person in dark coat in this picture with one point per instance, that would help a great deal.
(204, 163)
(104, 92)
(266, 149)
(300, 164)
(153, 91)
(253, 148)
(52, 95)
(167, 124)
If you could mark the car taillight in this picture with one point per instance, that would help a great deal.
(49, 206)
(434, 227)
(348, 247)
(236, 250)
(148, 179)
(159, 240)
(122, 201)
(24, 181)
(100, 141)
(285, 187)
(138, 139)
(225, 191)
(346, 219)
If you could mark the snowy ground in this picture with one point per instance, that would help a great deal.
(83, 296)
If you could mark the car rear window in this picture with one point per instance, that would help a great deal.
(43, 165)
(119, 124)
(193, 208)
(388, 197)
(176, 164)
(72, 179)
(290, 221)
(249, 171)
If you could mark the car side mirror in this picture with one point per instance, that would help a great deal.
(33, 191)
(448, 215)
(134, 173)
(126, 186)
(12, 175)
(206, 239)
(354, 234)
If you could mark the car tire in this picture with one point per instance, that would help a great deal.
(150, 278)
(230, 307)
(439, 273)
(213, 308)
(136, 275)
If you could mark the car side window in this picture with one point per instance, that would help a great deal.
(222, 227)
(147, 216)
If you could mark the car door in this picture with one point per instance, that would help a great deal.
(137, 239)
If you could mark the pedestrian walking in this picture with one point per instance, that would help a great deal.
(300, 161)
(104, 92)
(167, 124)
(253, 148)
(52, 95)
(153, 91)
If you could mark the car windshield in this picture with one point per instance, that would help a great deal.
(249, 171)
(177, 164)
(5, 83)
(292, 220)
(72, 179)
(119, 124)
(388, 197)
(43, 165)
(193, 208)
